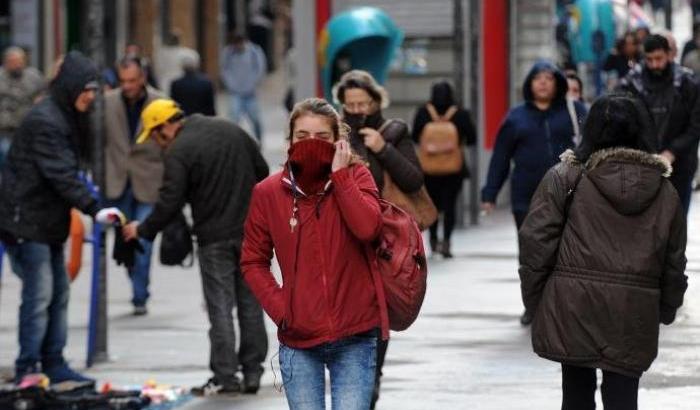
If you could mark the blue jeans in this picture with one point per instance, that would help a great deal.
(140, 273)
(240, 105)
(43, 316)
(352, 364)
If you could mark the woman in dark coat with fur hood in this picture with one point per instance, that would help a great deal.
(602, 255)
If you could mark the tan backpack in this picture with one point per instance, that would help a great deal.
(439, 152)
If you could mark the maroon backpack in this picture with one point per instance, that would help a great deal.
(401, 259)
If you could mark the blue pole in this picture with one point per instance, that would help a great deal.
(94, 293)
(97, 323)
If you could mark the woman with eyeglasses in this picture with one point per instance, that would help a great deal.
(385, 145)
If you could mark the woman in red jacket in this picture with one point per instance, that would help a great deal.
(319, 216)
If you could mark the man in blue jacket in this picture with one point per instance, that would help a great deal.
(532, 136)
(243, 67)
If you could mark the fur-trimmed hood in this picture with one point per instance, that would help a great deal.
(629, 179)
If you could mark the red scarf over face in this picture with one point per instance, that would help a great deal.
(310, 161)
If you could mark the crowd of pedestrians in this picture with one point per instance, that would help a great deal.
(632, 159)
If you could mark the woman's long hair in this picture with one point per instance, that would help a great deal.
(617, 120)
(320, 107)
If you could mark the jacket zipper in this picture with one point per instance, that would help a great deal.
(324, 278)
(548, 135)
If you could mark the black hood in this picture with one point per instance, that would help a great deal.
(75, 73)
(441, 96)
(562, 84)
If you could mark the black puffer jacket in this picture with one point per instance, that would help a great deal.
(398, 157)
(602, 279)
(674, 108)
(40, 181)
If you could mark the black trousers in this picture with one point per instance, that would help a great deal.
(444, 191)
(578, 385)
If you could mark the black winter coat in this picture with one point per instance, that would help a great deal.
(194, 92)
(602, 268)
(213, 165)
(398, 157)
(680, 132)
(40, 182)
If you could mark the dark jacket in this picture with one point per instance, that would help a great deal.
(603, 266)
(674, 107)
(533, 140)
(40, 182)
(398, 157)
(213, 165)
(328, 291)
(194, 92)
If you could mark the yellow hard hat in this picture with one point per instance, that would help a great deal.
(156, 113)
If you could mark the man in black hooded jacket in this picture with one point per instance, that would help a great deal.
(670, 93)
(40, 185)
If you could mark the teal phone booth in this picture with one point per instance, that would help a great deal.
(364, 38)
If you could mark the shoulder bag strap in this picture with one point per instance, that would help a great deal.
(571, 191)
(574, 120)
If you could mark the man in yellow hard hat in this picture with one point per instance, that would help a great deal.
(159, 114)
(212, 164)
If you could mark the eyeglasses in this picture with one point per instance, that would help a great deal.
(357, 106)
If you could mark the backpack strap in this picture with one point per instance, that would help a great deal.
(450, 113)
(434, 116)
(571, 190)
(574, 121)
(433, 112)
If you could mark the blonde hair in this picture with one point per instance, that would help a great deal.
(363, 80)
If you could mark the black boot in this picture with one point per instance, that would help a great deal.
(435, 246)
(445, 250)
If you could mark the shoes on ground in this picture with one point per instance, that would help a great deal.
(140, 310)
(63, 373)
(213, 388)
(251, 383)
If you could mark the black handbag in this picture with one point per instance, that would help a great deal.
(176, 243)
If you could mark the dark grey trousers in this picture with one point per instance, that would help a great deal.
(224, 289)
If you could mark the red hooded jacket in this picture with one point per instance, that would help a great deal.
(330, 279)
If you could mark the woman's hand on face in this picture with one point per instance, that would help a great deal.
(373, 139)
(342, 156)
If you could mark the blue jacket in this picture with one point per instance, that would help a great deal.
(242, 71)
(533, 140)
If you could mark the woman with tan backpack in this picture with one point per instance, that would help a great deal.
(441, 129)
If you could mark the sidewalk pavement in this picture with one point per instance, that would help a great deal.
(466, 350)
